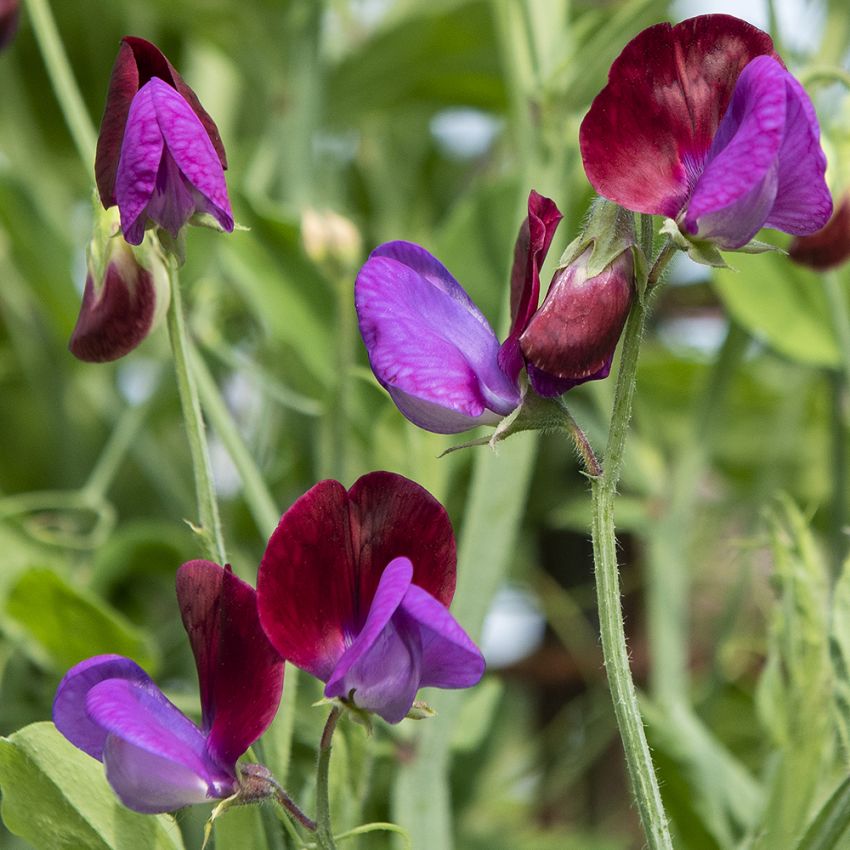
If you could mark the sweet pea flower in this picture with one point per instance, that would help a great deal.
(432, 349)
(156, 759)
(354, 588)
(701, 122)
(159, 154)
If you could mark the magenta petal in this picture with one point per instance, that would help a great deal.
(69, 704)
(428, 343)
(650, 128)
(803, 203)
(381, 668)
(307, 578)
(734, 194)
(240, 673)
(449, 657)
(193, 152)
(141, 153)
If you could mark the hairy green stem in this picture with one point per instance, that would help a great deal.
(62, 79)
(324, 831)
(614, 649)
(210, 531)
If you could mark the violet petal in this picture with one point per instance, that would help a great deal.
(428, 342)
(734, 194)
(803, 202)
(381, 668)
(69, 704)
(449, 657)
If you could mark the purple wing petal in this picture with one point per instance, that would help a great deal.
(240, 673)
(192, 150)
(649, 129)
(803, 203)
(307, 578)
(829, 247)
(428, 341)
(382, 665)
(449, 657)
(69, 705)
(736, 191)
(150, 783)
(138, 166)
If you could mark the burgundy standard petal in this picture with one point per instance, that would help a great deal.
(648, 131)
(240, 673)
(829, 247)
(69, 704)
(306, 582)
(428, 344)
(324, 562)
(532, 246)
(115, 317)
(380, 670)
(449, 657)
(138, 62)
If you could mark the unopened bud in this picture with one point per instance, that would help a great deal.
(574, 334)
(330, 239)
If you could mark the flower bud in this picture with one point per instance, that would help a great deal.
(159, 155)
(830, 246)
(123, 300)
(330, 239)
(9, 15)
(574, 334)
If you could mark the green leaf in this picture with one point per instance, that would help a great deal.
(782, 304)
(839, 651)
(57, 798)
(831, 822)
(62, 624)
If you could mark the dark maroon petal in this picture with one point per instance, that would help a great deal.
(69, 705)
(306, 584)
(138, 61)
(648, 131)
(574, 334)
(324, 561)
(532, 246)
(830, 246)
(392, 517)
(115, 317)
(240, 673)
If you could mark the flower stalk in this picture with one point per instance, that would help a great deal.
(209, 531)
(614, 648)
(324, 831)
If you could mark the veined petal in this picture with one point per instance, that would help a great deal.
(306, 585)
(803, 202)
(69, 705)
(649, 129)
(449, 657)
(736, 191)
(426, 339)
(193, 151)
(382, 665)
(240, 673)
(138, 166)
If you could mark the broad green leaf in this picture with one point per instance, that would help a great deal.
(238, 827)
(797, 681)
(63, 624)
(781, 304)
(57, 798)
